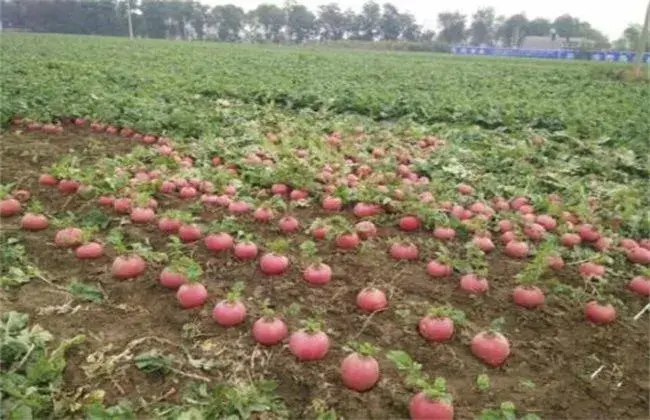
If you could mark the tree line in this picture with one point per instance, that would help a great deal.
(292, 23)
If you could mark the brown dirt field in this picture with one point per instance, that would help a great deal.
(554, 350)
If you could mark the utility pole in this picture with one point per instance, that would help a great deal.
(643, 41)
(128, 14)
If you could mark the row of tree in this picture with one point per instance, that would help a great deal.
(291, 23)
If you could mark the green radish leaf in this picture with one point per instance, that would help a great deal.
(86, 292)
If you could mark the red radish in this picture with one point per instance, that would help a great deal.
(90, 250)
(439, 270)
(171, 279)
(191, 295)
(222, 200)
(128, 267)
(347, 241)
(645, 243)
(546, 221)
(237, 207)
(34, 222)
(359, 370)
(218, 242)
(516, 249)
(371, 299)
(570, 240)
(317, 274)
(319, 233)
(404, 251)
(189, 232)
(273, 264)
(444, 233)
(484, 243)
(310, 343)
(47, 180)
(517, 202)
(409, 223)
(122, 205)
(555, 262)
(298, 195)
(366, 210)
(279, 189)
(505, 225)
(422, 407)
(478, 207)
(366, 229)
(590, 269)
(501, 205)
(588, 233)
(471, 283)
(142, 215)
(167, 187)
(465, 189)
(534, 231)
(600, 313)
(245, 251)
(507, 237)
(437, 325)
(527, 209)
(68, 186)
(9, 207)
(639, 255)
(263, 214)
(528, 296)
(270, 330)
(289, 224)
(491, 347)
(231, 312)
(602, 244)
(640, 285)
(106, 200)
(332, 203)
(169, 225)
(187, 192)
(68, 237)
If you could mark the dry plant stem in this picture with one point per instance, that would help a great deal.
(367, 322)
(641, 312)
(597, 372)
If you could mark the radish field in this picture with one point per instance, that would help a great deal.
(200, 231)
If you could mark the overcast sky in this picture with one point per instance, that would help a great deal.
(609, 17)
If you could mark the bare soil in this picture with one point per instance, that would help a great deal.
(554, 349)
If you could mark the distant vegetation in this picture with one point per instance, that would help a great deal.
(293, 23)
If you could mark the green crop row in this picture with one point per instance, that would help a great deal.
(174, 87)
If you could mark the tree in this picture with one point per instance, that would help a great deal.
(390, 24)
(352, 23)
(513, 30)
(368, 21)
(567, 27)
(428, 36)
(411, 31)
(586, 31)
(539, 27)
(632, 36)
(482, 29)
(229, 22)
(271, 20)
(300, 23)
(452, 27)
(331, 22)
